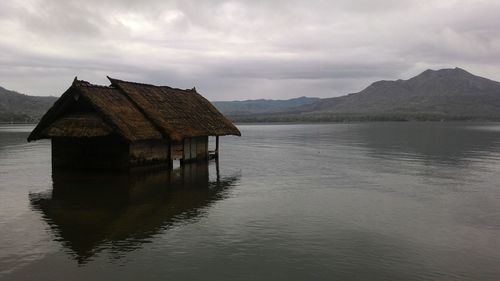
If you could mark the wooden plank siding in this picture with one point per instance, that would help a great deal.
(195, 148)
(201, 148)
(113, 153)
(148, 153)
(192, 150)
(177, 150)
(187, 149)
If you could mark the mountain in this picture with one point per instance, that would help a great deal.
(260, 106)
(450, 92)
(446, 94)
(16, 107)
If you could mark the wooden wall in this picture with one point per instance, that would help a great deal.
(112, 153)
(195, 148)
(100, 153)
(151, 152)
(177, 150)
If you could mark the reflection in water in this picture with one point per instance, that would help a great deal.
(444, 143)
(90, 212)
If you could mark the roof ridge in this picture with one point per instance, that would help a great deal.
(99, 86)
(137, 106)
(145, 84)
(83, 83)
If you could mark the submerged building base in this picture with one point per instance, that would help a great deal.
(114, 154)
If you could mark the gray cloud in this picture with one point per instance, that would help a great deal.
(243, 49)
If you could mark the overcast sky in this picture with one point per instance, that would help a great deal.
(235, 50)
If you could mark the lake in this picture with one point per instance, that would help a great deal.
(363, 201)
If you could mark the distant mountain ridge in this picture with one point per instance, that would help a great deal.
(446, 91)
(248, 107)
(16, 107)
(433, 95)
(446, 94)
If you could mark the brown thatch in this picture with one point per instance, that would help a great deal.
(119, 112)
(133, 111)
(78, 125)
(177, 113)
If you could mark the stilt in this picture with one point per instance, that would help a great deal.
(217, 168)
(216, 147)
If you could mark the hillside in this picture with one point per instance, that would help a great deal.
(260, 106)
(446, 91)
(446, 94)
(16, 107)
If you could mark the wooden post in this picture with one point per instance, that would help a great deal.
(217, 169)
(216, 146)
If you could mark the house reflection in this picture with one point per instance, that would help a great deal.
(89, 212)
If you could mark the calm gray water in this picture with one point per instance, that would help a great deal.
(373, 201)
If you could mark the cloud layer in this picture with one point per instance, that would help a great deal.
(243, 49)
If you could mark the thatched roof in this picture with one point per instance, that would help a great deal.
(133, 111)
(79, 125)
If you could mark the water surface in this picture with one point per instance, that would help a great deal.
(367, 201)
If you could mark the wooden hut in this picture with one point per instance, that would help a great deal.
(127, 125)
